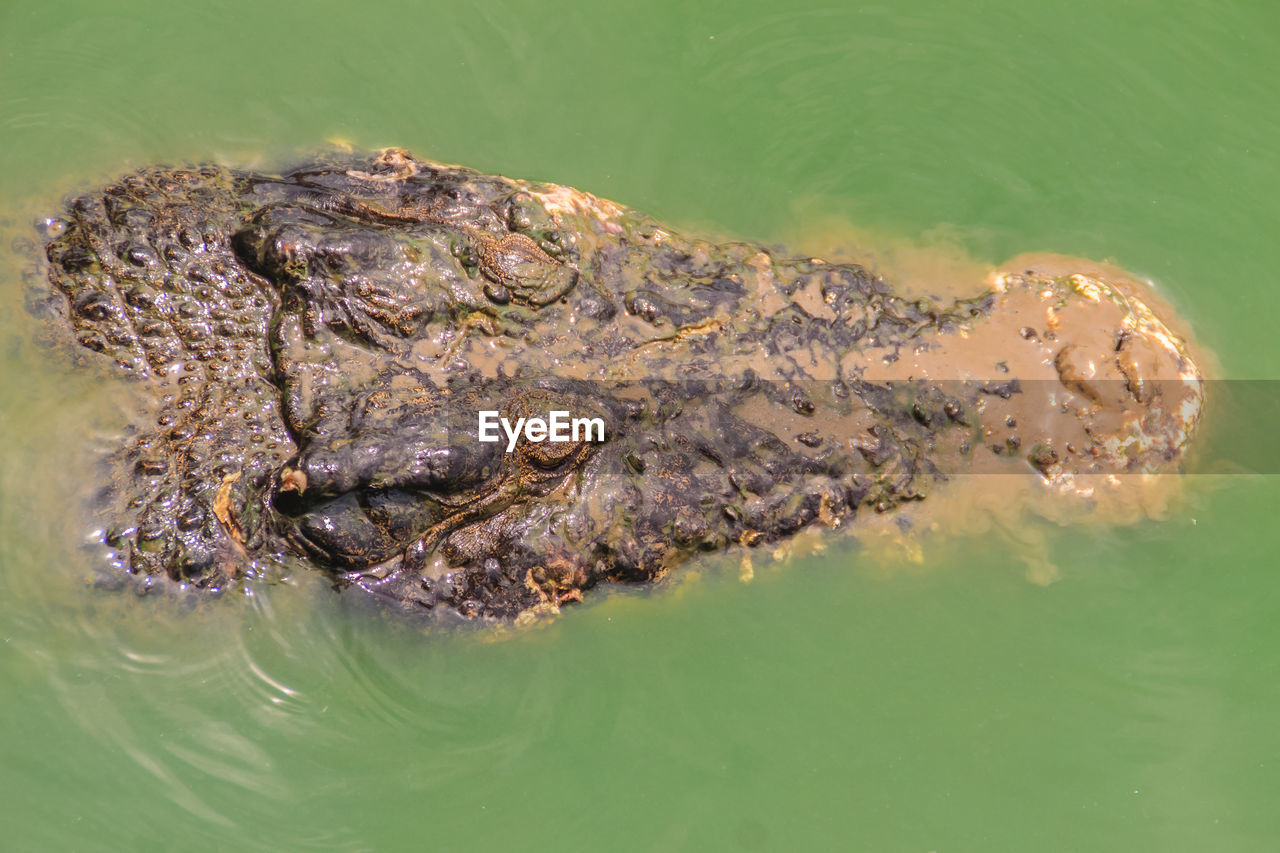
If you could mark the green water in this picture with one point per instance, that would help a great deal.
(953, 705)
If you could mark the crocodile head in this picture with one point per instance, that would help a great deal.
(333, 351)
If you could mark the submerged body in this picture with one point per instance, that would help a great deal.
(322, 348)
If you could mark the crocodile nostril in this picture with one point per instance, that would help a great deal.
(1135, 381)
(1076, 372)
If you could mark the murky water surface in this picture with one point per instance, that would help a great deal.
(899, 695)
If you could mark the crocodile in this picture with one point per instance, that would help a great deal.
(319, 350)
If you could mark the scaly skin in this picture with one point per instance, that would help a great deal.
(319, 344)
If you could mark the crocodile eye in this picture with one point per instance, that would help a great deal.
(280, 254)
(354, 504)
(451, 469)
(359, 529)
(279, 242)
